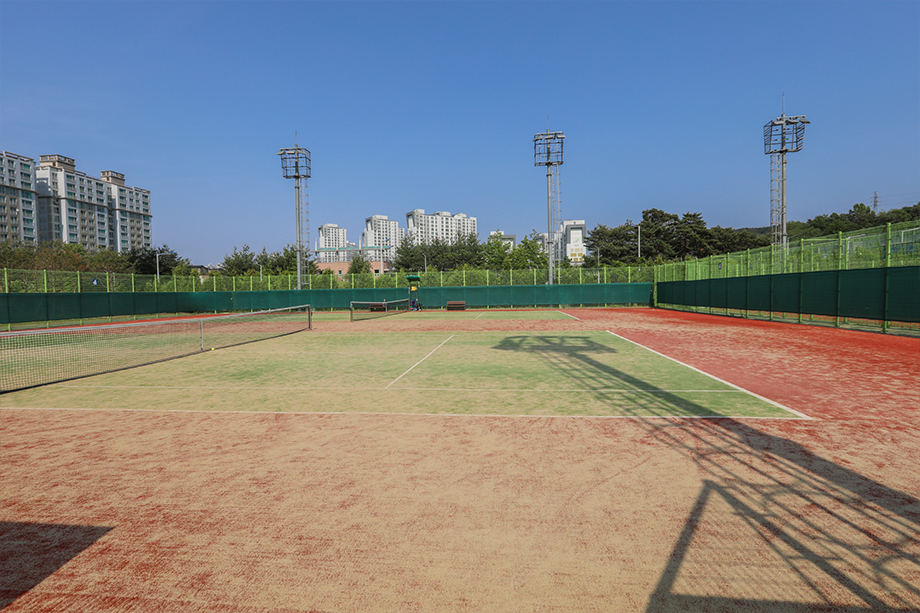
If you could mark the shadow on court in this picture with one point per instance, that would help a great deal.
(775, 527)
(30, 553)
(578, 358)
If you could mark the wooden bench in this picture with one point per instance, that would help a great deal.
(377, 307)
(456, 305)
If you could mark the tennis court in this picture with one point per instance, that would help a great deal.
(579, 459)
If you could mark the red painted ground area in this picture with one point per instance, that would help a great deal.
(166, 511)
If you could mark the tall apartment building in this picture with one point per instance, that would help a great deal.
(96, 212)
(380, 231)
(570, 241)
(18, 200)
(332, 238)
(426, 228)
(573, 239)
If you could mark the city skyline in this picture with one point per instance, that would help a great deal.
(434, 106)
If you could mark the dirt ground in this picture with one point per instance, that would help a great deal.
(114, 510)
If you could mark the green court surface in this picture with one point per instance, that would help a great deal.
(586, 373)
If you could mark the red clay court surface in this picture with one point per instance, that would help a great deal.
(249, 512)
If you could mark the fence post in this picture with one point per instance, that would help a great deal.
(887, 267)
(6, 282)
(250, 282)
(79, 285)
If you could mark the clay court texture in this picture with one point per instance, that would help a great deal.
(557, 460)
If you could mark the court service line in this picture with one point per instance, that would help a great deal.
(480, 315)
(419, 362)
(570, 315)
(385, 414)
(702, 372)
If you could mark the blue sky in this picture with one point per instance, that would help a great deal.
(434, 105)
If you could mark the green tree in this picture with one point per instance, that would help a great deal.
(529, 253)
(496, 253)
(108, 260)
(359, 265)
(239, 262)
(608, 246)
(691, 237)
(145, 262)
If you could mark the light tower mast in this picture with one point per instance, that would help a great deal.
(781, 136)
(295, 164)
(547, 151)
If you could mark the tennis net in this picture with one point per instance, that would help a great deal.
(38, 357)
(370, 310)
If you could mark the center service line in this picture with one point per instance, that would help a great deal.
(419, 362)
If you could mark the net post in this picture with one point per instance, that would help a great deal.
(201, 332)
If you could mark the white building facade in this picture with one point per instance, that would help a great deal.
(380, 231)
(98, 213)
(333, 240)
(424, 228)
(573, 240)
(18, 199)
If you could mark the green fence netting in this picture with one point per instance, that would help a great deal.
(21, 308)
(880, 294)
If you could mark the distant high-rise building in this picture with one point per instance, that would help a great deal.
(571, 243)
(18, 200)
(426, 228)
(333, 241)
(573, 240)
(98, 213)
(380, 231)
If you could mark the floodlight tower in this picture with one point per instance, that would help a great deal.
(781, 136)
(295, 164)
(547, 151)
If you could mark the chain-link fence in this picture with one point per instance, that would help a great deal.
(893, 245)
(48, 282)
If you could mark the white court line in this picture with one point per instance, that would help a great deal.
(384, 414)
(570, 315)
(419, 362)
(737, 387)
(480, 315)
(511, 390)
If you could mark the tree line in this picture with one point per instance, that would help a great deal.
(658, 237)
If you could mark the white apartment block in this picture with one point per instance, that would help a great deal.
(573, 239)
(380, 231)
(98, 213)
(570, 241)
(426, 228)
(332, 242)
(18, 199)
